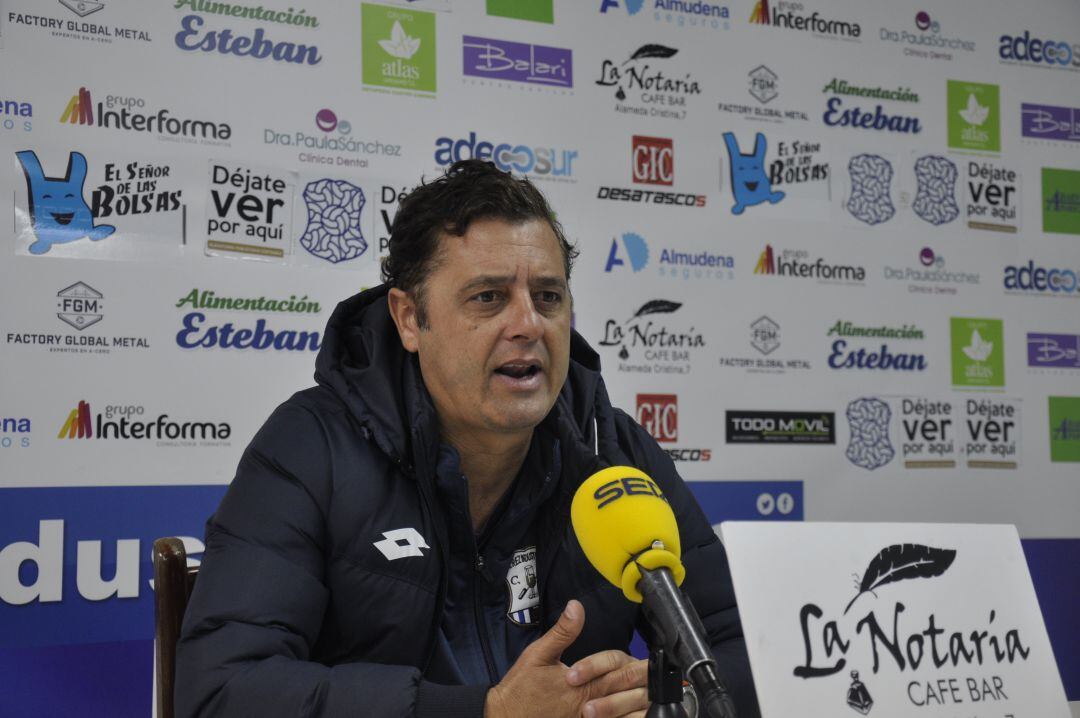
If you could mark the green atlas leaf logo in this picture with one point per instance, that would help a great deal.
(400, 44)
(979, 349)
(973, 116)
(978, 359)
(974, 113)
(398, 49)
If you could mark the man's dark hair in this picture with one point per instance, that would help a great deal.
(470, 190)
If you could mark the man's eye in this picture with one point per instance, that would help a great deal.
(550, 297)
(486, 297)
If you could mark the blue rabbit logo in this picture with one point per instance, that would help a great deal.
(58, 212)
(749, 182)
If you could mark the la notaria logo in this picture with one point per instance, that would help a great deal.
(613, 75)
(908, 648)
(633, 74)
(615, 335)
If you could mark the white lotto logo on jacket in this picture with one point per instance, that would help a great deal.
(524, 593)
(401, 543)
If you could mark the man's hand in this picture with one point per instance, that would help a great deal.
(536, 685)
(604, 685)
(618, 679)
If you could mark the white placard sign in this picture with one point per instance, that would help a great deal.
(892, 620)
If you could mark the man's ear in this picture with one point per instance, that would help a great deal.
(403, 312)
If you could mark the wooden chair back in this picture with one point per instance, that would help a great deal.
(173, 582)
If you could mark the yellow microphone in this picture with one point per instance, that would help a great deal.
(628, 532)
(624, 524)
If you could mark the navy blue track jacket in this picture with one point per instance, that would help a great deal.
(298, 612)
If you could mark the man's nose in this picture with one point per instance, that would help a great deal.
(524, 321)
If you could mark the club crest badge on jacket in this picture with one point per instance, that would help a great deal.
(521, 582)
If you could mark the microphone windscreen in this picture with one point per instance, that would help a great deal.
(619, 514)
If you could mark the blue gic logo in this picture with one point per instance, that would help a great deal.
(509, 157)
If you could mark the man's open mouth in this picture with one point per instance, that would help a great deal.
(516, 370)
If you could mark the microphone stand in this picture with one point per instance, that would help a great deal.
(677, 628)
(665, 687)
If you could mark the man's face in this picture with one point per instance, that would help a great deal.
(496, 348)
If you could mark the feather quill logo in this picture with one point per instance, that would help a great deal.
(901, 562)
(641, 330)
(656, 306)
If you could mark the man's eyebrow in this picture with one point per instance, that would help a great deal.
(487, 280)
(495, 280)
(549, 282)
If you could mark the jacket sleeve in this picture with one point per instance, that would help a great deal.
(258, 604)
(708, 579)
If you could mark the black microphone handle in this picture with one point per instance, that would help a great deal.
(716, 699)
(679, 632)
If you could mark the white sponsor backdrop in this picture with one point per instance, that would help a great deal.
(312, 141)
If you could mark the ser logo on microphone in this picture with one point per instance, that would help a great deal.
(631, 486)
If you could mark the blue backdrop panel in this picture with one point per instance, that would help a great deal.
(1055, 570)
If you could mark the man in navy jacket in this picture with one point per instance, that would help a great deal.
(397, 542)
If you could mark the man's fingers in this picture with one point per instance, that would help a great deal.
(547, 649)
(634, 674)
(596, 665)
(617, 705)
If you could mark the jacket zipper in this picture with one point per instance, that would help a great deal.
(444, 550)
(481, 627)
